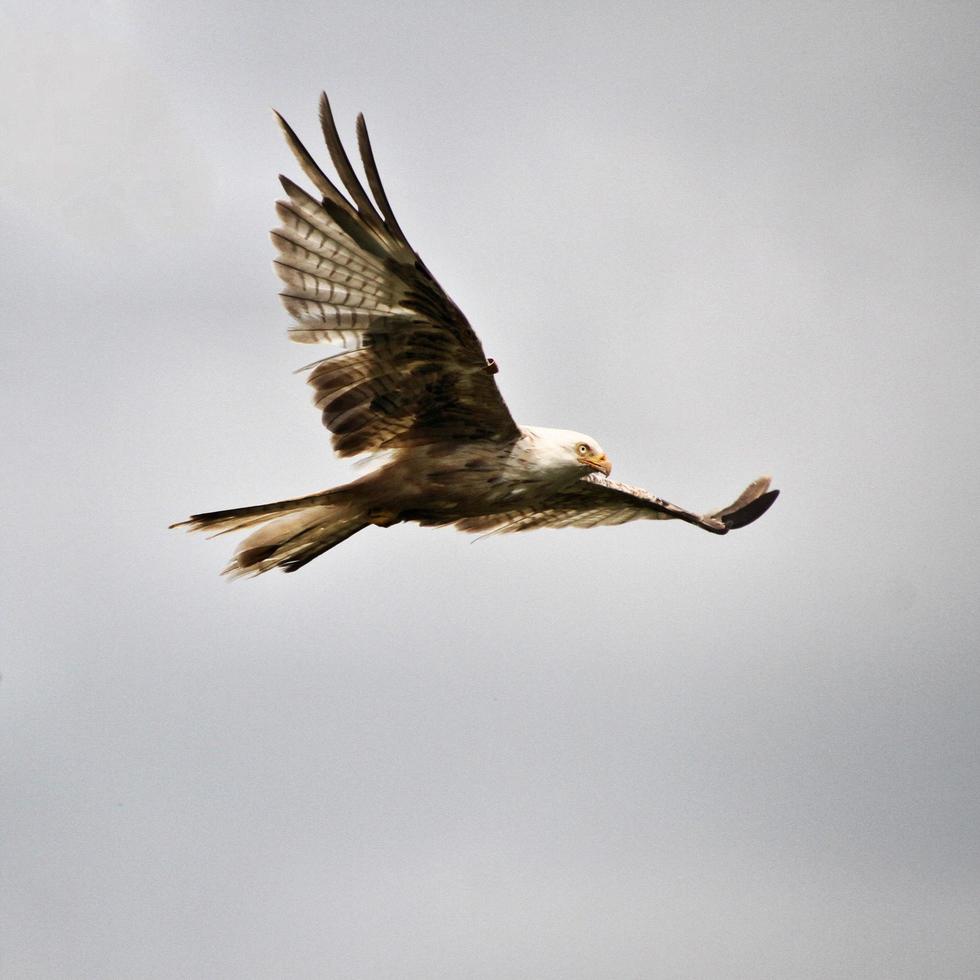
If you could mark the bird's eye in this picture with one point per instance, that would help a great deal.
(581, 449)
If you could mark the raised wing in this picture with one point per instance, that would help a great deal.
(417, 372)
(595, 500)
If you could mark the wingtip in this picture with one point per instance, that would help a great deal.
(289, 133)
(750, 505)
(751, 511)
(323, 106)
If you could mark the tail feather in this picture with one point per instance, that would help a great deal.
(294, 532)
(292, 541)
(237, 518)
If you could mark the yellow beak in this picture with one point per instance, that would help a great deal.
(598, 461)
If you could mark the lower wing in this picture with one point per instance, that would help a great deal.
(596, 500)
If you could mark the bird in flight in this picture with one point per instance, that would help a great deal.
(414, 384)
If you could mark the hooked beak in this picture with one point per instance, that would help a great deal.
(598, 461)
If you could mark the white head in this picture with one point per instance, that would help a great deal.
(563, 449)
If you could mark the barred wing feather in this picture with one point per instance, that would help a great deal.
(596, 500)
(416, 372)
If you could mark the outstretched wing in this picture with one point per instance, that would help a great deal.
(595, 500)
(417, 372)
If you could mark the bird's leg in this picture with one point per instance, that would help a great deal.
(383, 518)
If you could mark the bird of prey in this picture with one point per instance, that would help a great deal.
(414, 385)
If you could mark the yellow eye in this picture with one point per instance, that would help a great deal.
(582, 448)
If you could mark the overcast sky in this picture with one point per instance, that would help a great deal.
(724, 239)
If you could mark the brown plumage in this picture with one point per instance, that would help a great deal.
(414, 383)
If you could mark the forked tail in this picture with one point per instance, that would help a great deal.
(293, 532)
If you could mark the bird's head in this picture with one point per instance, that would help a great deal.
(571, 451)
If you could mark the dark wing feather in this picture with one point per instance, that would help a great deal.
(417, 372)
(596, 500)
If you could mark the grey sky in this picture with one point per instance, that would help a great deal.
(723, 240)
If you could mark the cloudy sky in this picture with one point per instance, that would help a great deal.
(725, 240)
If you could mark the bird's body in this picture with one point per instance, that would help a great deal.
(416, 385)
(475, 479)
